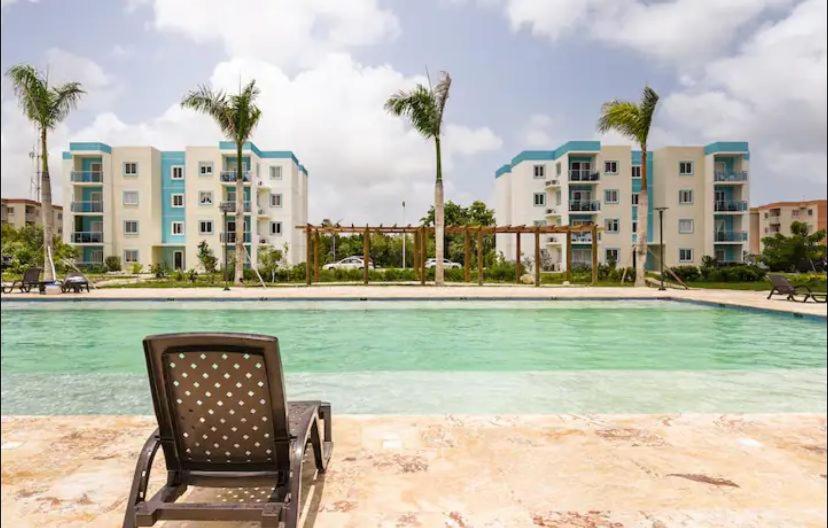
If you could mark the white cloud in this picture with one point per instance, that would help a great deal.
(363, 161)
(539, 132)
(284, 32)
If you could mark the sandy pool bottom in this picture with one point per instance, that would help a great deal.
(462, 471)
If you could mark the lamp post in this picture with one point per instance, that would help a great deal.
(226, 207)
(405, 236)
(661, 243)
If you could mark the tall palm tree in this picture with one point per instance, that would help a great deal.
(634, 121)
(237, 116)
(45, 106)
(425, 107)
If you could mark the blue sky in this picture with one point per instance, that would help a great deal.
(527, 74)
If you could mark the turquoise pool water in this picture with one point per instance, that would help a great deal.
(435, 356)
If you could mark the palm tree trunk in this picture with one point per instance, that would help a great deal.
(239, 274)
(439, 218)
(46, 208)
(643, 209)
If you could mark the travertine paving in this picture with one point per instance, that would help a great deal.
(482, 471)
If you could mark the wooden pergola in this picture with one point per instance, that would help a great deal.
(421, 234)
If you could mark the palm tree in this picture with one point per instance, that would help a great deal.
(236, 116)
(45, 106)
(634, 121)
(425, 107)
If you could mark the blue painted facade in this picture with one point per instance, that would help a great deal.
(727, 146)
(168, 188)
(550, 155)
(90, 146)
(272, 154)
(636, 188)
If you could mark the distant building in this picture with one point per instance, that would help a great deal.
(777, 217)
(20, 212)
(706, 189)
(150, 207)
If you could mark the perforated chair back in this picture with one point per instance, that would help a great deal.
(32, 275)
(220, 401)
(781, 283)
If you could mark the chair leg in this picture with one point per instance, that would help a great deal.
(771, 293)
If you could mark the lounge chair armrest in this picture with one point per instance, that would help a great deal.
(140, 481)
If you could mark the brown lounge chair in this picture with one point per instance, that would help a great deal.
(223, 422)
(782, 286)
(30, 279)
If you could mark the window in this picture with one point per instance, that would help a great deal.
(177, 172)
(177, 200)
(685, 255)
(611, 196)
(276, 173)
(685, 168)
(686, 226)
(635, 198)
(276, 200)
(130, 256)
(130, 168)
(795, 213)
(130, 198)
(205, 227)
(130, 227)
(636, 171)
(539, 199)
(539, 171)
(205, 197)
(558, 168)
(635, 226)
(612, 225)
(177, 227)
(610, 167)
(810, 212)
(612, 255)
(205, 168)
(685, 196)
(275, 228)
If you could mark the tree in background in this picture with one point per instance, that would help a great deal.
(476, 214)
(270, 258)
(634, 121)
(24, 245)
(45, 106)
(799, 252)
(206, 257)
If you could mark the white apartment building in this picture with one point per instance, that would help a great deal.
(150, 206)
(705, 189)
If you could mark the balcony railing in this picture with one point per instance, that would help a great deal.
(738, 176)
(231, 206)
(87, 207)
(230, 176)
(731, 207)
(87, 237)
(86, 176)
(731, 236)
(583, 175)
(554, 182)
(582, 238)
(230, 238)
(580, 206)
(554, 210)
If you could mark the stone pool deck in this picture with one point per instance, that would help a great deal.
(598, 471)
(736, 298)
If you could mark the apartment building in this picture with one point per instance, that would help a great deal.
(150, 207)
(705, 189)
(777, 217)
(20, 212)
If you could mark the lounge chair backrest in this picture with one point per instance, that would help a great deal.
(75, 275)
(220, 401)
(781, 283)
(32, 275)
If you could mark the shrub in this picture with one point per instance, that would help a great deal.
(687, 273)
(160, 270)
(112, 263)
(137, 268)
(192, 275)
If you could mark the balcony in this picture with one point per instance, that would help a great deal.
(230, 176)
(731, 236)
(739, 206)
(584, 207)
(739, 176)
(555, 210)
(582, 238)
(87, 237)
(583, 175)
(230, 205)
(87, 207)
(230, 238)
(553, 182)
(86, 177)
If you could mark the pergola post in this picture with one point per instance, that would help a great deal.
(316, 255)
(466, 255)
(537, 256)
(594, 254)
(479, 256)
(423, 251)
(416, 262)
(568, 254)
(517, 258)
(308, 243)
(366, 250)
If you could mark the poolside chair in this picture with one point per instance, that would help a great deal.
(782, 286)
(31, 279)
(75, 281)
(223, 422)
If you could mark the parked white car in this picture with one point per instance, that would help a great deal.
(447, 264)
(348, 263)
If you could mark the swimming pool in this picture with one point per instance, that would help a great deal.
(427, 357)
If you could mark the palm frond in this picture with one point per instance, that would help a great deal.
(214, 104)
(65, 98)
(441, 93)
(622, 116)
(31, 90)
(647, 107)
(419, 106)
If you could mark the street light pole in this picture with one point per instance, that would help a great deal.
(661, 243)
(225, 207)
(405, 236)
